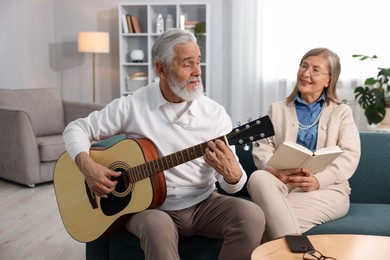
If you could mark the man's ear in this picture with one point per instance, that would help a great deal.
(160, 69)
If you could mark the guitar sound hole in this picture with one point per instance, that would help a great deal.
(123, 181)
(124, 187)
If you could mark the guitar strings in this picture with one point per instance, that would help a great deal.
(148, 166)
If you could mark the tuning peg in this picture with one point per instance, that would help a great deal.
(238, 123)
(260, 115)
(249, 119)
(257, 144)
(246, 147)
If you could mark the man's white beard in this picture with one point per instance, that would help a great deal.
(182, 91)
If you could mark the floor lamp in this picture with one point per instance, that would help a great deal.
(93, 42)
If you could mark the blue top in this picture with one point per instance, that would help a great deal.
(307, 115)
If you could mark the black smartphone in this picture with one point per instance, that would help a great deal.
(299, 243)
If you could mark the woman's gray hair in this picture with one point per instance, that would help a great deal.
(164, 47)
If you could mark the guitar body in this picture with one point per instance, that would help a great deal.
(87, 217)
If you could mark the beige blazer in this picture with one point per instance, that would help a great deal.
(336, 127)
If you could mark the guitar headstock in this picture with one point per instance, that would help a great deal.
(251, 131)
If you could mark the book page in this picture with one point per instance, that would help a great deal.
(298, 147)
(330, 149)
(290, 155)
(287, 157)
(318, 163)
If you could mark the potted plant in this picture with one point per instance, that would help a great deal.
(200, 30)
(374, 96)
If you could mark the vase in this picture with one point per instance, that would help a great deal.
(168, 22)
(385, 123)
(159, 24)
(137, 55)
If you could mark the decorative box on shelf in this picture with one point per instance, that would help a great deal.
(136, 81)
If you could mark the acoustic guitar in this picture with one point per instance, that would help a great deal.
(141, 185)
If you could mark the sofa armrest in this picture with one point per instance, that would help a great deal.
(19, 154)
(74, 109)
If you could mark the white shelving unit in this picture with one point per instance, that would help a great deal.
(146, 15)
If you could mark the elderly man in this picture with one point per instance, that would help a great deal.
(174, 114)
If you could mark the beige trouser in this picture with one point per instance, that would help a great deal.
(291, 210)
(239, 222)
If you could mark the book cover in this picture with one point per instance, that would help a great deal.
(291, 155)
(135, 23)
(129, 24)
(124, 24)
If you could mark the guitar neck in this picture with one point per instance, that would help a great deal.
(147, 169)
(252, 131)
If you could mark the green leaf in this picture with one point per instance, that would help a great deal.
(375, 94)
(364, 57)
(364, 96)
(370, 82)
(384, 72)
(375, 114)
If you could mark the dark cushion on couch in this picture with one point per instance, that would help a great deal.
(127, 246)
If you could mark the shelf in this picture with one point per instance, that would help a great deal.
(146, 15)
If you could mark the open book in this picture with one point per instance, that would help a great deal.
(291, 155)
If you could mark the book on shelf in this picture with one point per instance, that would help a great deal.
(182, 22)
(129, 24)
(195, 22)
(135, 23)
(290, 155)
(190, 25)
(124, 24)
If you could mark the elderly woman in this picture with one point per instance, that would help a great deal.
(295, 200)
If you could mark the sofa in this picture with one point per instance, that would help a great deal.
(31, 126)
(369, 212)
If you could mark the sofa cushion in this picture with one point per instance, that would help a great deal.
(50, 147)
(44, 107)
(368, 219)
(371, 181)
(124, 244)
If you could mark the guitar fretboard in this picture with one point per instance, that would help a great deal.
(147, 169)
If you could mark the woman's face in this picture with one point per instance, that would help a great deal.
(313, 77)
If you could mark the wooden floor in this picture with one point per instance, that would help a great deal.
(31, 227)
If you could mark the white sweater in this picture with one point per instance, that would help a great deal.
(147, 114)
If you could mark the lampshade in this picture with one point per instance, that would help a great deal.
(95, 42)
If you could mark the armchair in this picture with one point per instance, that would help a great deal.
(31, 126)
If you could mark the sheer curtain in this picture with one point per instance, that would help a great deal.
(254, 83)
(245, 64)
(268, 39)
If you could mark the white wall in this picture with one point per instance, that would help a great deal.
(74, 68)
(27, 38)
(39, 46)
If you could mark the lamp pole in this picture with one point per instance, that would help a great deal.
(93, 77)
(93, 42)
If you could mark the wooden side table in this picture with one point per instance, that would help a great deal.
(341, 247)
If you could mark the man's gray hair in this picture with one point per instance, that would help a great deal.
(163, 49)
